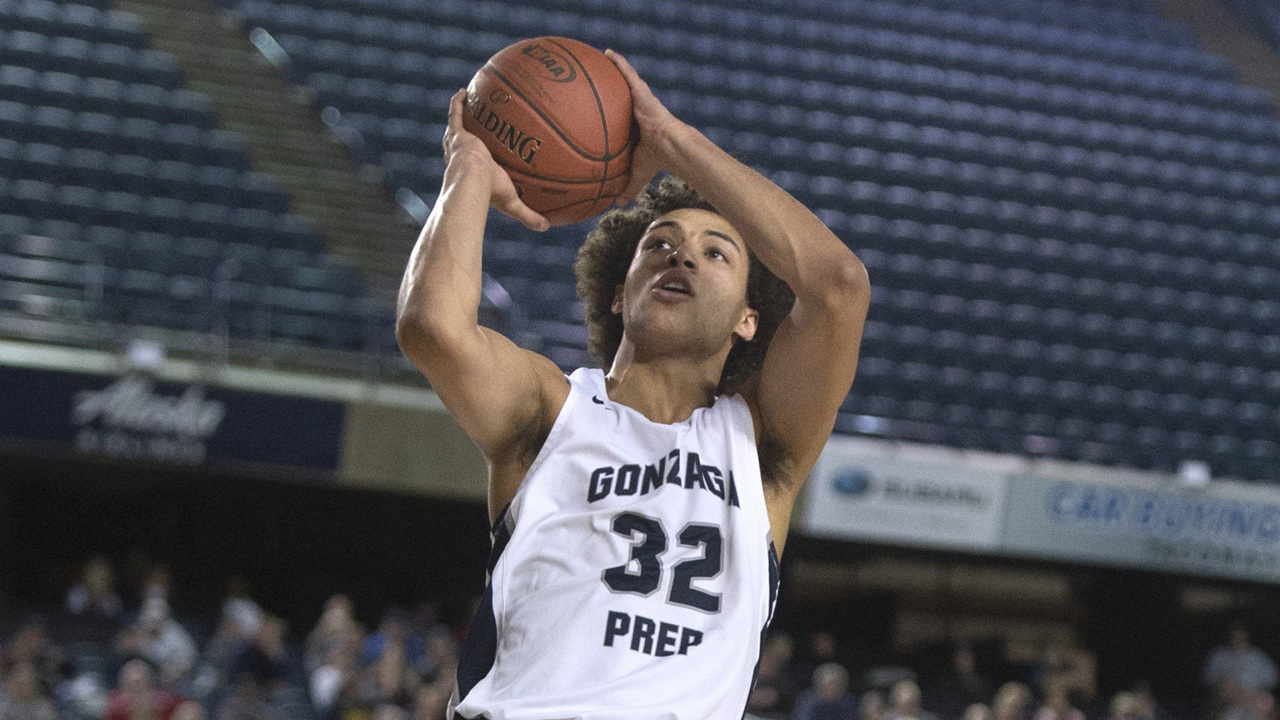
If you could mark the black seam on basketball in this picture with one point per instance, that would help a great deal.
(566, 207)
(538, 110)
(604, 124)
(535, 176)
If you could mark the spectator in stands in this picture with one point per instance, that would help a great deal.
(138, 698)
(390, 712)
(395, 631)
(1237, 670)
(333, 683)
(160, 639)
(960, 687)
(336, 629)
(241, 610)
(1011, 702)
(93, 605)
(871, 706)
(774, 692)
(390, 679)
(1073, 669)
(425, 620)
(1251, 705)
(24, 697)
(31, 645)
(1123, 706)
(977, 711)
(157, 584)
(829, 698)
(1147, 708)
(905, 703)
(249, 701)
(432, 701)
(441, 664)
(264, 660)
(1056, 704)
(238, 624)
(822, 649)
(188, 710)
(259, 673)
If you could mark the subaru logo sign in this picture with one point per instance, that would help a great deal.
(852, 481)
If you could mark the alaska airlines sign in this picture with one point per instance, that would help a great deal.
(135, 416)
(131, 418)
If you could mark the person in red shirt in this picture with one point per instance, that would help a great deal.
(138, 698)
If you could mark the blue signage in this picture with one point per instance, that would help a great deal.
(136, 416)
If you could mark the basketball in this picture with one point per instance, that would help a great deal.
(556, 115)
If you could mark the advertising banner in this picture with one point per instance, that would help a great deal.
(857, 493)
(1223, 529)
(135, 416)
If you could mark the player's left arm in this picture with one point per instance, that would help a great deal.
(811, 360)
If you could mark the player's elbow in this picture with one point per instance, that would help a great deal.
(422, 334)
(851, 278)
(845, 284)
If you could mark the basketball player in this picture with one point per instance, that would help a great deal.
(638, 511)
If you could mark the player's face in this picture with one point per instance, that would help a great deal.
(687, 283)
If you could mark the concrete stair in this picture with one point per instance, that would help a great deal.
(1221, 33)
(347, 203)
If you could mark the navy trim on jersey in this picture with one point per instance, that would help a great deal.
(479, 649)
(774, 577)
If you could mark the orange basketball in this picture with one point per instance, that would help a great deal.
(556, 115)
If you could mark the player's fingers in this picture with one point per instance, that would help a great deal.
(454, 127)
(513, 207)
(455, 110)
(637, 83)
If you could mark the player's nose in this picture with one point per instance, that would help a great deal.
(676, 257)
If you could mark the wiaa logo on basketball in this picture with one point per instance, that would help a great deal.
(557, 66)
(520, 143)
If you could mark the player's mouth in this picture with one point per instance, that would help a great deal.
(673, 285)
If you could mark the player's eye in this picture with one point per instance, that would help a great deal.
(657, 244)
(715, 254)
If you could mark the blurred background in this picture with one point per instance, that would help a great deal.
(1052, 491)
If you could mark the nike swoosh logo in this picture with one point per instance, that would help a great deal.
(596, 399)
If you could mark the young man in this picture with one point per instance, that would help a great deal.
(639, 514)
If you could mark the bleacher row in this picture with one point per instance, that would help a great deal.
(122, 201)
(1068, 210)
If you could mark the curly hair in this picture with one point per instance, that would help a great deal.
(605, 256)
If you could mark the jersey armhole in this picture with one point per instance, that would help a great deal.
(553, 437)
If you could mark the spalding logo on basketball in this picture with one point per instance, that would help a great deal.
(556, 115)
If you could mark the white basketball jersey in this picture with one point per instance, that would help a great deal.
(632, 576)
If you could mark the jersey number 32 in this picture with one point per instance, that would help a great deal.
(648, 541)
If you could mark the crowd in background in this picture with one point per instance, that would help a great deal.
(98, 658)
(1238, 678)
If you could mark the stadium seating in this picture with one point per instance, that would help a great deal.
(123, 201)
(1068, 210)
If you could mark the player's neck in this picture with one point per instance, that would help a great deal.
(663, 389)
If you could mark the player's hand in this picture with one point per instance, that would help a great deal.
(464, 148)
(655, 122)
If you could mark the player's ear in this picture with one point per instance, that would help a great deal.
(616, 307)
(746, 327)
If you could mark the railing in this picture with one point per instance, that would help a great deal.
(70, 303)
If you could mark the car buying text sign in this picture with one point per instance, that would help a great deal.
(1223, 529)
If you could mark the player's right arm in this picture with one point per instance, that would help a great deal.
(504, 397)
